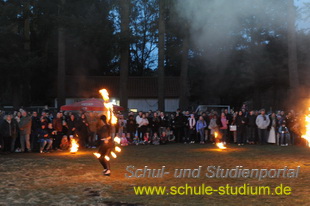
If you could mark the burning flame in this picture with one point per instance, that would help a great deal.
(220, 145)
(113, 154)
(117, 140)
(74, 146)
(97, 155)
(106, 101)
(306, 136)
(107, 158)
(110, 118)
(117, 149)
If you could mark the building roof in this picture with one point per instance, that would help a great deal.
(138, 87)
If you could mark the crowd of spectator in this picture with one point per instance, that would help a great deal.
(23, 131)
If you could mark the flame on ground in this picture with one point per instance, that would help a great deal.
(97, 154)
(74, 146)
(220, 145)
(106, 101)
(306, 136)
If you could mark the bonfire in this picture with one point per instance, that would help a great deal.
(74, 146)
(306, 136)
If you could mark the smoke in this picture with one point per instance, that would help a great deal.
(217, 26)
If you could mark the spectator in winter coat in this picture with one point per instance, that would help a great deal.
(200, 128)
(142, 127)
(25, 130)
(178, 126)
(139, 118)
(93, 121)
(155, 123)
(35, 126)
(251, 127)
(58, 127)
(131, 127)
(163, 123)
(44, 139)
(192, 128)
(72, 125)
(241, 128)
(224, 127)
(8, 132)
(262, 122)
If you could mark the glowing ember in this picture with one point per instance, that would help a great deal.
(97, 155)
(306, 136)
(220, 145)
(117, 140)
(117, 149)
(113, 154)
(106, 101)
(74, 146)
(107, 158)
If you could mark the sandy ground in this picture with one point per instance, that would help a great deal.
(61, 178)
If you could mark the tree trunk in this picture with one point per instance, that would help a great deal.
(61, 64)
(25, 77)
(124, 11)
(161, 57)
(184, 86)
(292, 51)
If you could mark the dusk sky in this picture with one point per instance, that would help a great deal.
(302, 24)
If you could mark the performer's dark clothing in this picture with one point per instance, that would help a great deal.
(105, 150)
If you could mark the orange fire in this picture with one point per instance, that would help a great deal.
(117, 140)
(113, 154)
(74, 146)
(117, 149)
(106, 101)
(220, 145)
(307, 133)
(111, 118)
(97, 155)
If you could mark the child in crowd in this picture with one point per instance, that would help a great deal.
(65, 144)
(170, 135)
(44, 139)
(284, 134)
(51, 133)
(136, 140)
(129, 139)
(124, 141)
(146, 138)
(156, 139)
(163, 138)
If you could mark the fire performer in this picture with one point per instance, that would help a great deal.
(106, 145)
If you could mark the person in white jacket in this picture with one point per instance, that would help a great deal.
(262, 122)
